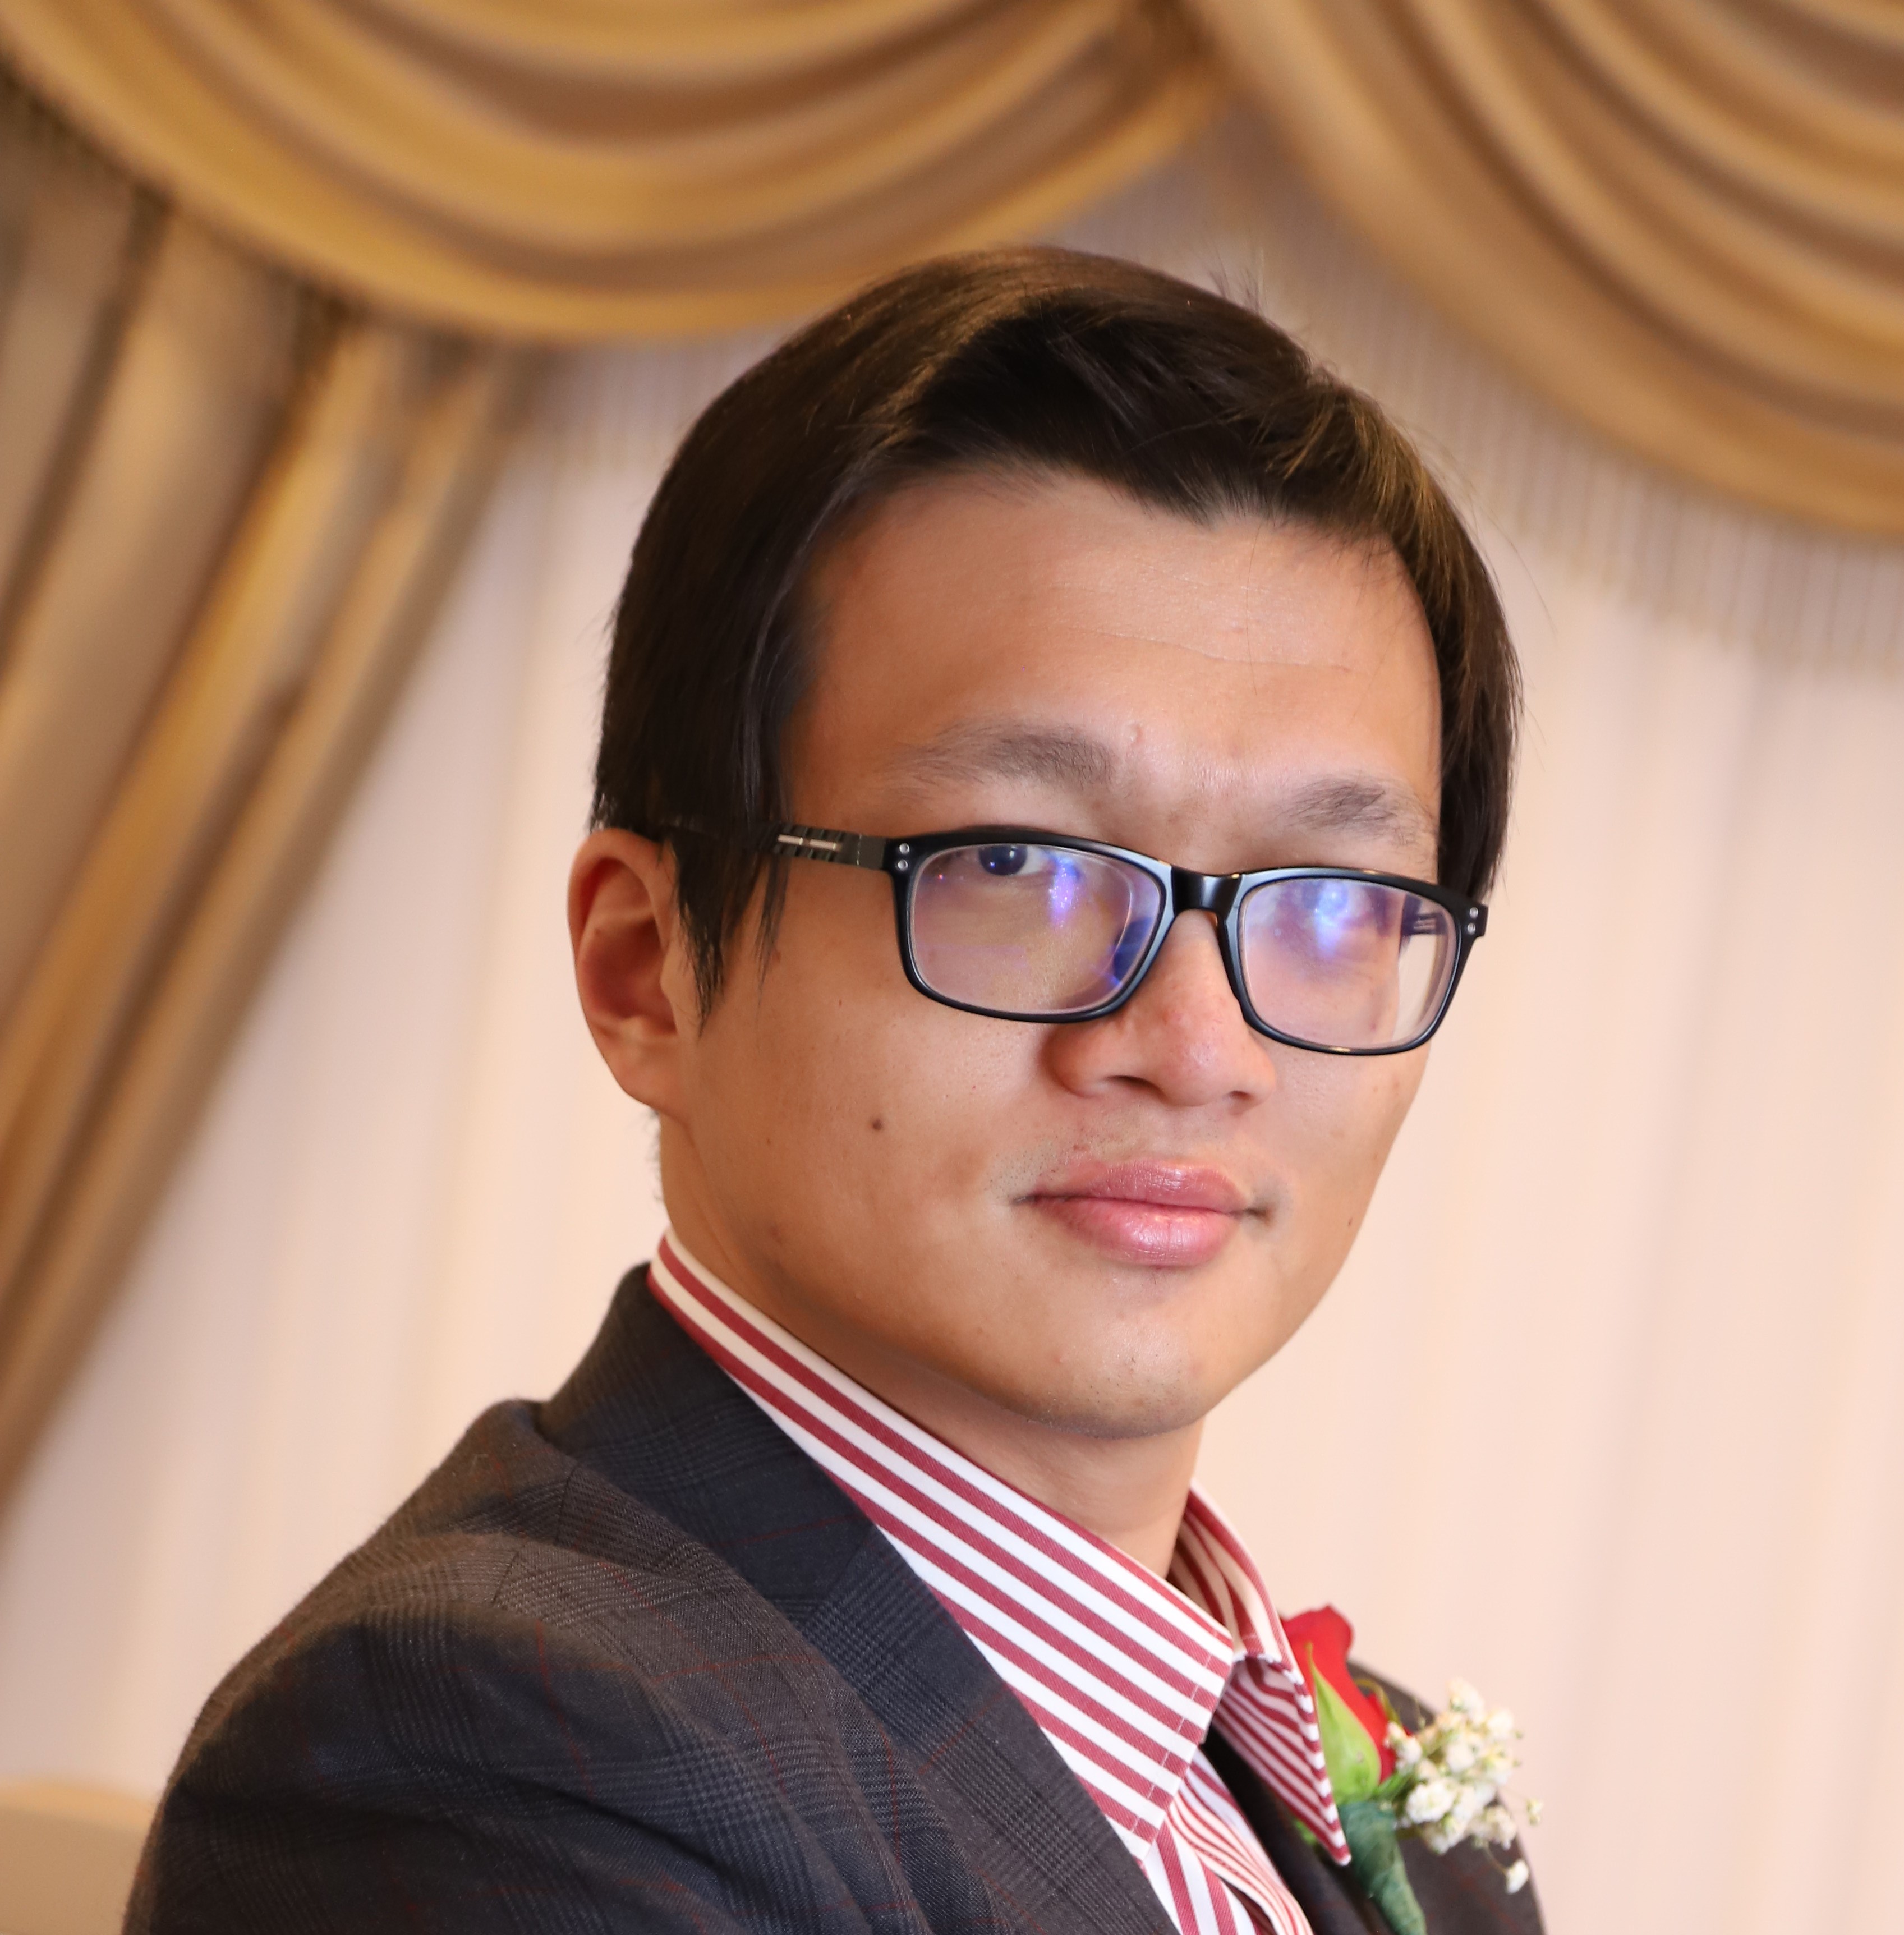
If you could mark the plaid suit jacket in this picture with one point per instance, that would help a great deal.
(628, 1660)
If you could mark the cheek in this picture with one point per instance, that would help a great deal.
(837, 1091)
(1344, 1115)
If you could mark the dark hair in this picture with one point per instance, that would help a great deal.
(1038, 360)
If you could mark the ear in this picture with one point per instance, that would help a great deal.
(636, 983)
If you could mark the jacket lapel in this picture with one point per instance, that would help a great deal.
(651, 1412)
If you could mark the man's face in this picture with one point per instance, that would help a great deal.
(1102, 1226)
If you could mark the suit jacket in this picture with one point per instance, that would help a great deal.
(630, 1660)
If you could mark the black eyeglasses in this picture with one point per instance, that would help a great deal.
(1036, 927)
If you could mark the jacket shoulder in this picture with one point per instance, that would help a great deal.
(501, 1692)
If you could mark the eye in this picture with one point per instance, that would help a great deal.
(1003, 861)
(1048, 871)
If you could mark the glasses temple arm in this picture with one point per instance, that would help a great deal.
(791, 843)
(825, 842)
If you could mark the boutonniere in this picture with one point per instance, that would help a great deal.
(1447, 1784)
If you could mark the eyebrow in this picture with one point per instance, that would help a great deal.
(1064, 757)
(1357, 805)
(989, 749)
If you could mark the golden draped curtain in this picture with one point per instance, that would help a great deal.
(1682, 219)
(272, 274)
(567, 168)
(226, 505)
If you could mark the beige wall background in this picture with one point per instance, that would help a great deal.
(1603, 1414)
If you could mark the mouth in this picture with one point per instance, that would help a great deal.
(1161, 1214)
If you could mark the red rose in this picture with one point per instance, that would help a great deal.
(1321, 1641)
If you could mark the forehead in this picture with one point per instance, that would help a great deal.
(977, 637)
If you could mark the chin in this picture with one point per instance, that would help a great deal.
(1116, 1404)
(1162, 1368)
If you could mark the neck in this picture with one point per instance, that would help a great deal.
(1129, 1491)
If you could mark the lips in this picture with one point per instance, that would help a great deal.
(1161, 1214)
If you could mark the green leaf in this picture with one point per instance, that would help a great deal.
(1375, 1861)
(1354, 1761)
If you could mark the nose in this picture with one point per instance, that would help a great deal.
(1181, 1036)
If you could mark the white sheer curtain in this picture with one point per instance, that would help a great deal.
(1603, 1414)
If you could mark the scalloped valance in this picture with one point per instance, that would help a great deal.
(563, 169)
(1683, 223)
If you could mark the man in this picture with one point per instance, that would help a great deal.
(1055, 742)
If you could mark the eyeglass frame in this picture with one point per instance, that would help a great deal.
(1184, 891)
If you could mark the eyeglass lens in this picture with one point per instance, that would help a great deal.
(1031, 930)
(1037, 929)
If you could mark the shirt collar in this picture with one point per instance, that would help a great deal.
(1124, 1671)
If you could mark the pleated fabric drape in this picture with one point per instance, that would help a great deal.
(226, 506)
(1684, 222)
(567, 168)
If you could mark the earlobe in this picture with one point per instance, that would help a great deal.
(623, 932)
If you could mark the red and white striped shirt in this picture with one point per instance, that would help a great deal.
(1124, 1671)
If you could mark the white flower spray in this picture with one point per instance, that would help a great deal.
(1450, 1780)
(1446, 1784)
